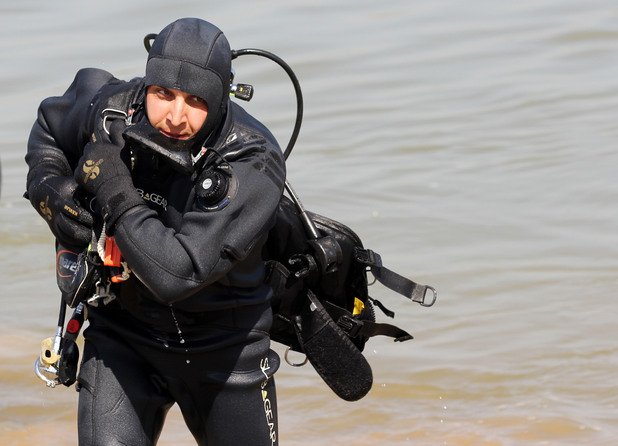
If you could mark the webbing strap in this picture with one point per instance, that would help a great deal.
(354, 327)
(394, 281)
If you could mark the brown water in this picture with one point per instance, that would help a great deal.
(473, 144)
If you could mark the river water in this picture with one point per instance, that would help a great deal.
(472, 144)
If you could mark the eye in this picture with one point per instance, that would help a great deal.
(198, 102)
(164, 93)
(194, 99)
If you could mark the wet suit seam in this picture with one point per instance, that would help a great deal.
(210, 50)
(203, 417)
(180, 59)
(117, 405)
(93, 404)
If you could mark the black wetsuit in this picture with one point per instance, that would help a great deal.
(191, 324)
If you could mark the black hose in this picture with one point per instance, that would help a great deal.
(62, 313)
(312, 231)
(147, 40)
(297, 90)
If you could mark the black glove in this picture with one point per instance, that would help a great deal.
(113, 134)
(102, 172)
(54, 198)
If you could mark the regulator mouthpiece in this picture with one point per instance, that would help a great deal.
(176, 152)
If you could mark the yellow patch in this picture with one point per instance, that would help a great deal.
(359, 306)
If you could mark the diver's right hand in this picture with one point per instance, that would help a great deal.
(103, 172)
(54, 199)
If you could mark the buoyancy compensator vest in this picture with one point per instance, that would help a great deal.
(327, 313)
(318, 271)
(293, 270)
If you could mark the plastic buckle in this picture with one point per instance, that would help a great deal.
(368, 257)
(302, 264)
(350, 325)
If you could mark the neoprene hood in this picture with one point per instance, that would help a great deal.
(194, 56)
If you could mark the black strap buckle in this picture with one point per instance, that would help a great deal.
(368, 257)
(350, 325)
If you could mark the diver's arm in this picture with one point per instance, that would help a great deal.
(61, 128)
(55, 141)
(175, 265)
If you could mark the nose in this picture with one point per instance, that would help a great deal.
(177, 112)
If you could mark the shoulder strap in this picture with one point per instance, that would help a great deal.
(394, 281)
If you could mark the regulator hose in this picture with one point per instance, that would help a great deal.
(297, 90)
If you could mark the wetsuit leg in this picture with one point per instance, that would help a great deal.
(220, 373)
(243, 415)
(122, 400)
(240, 411)
(224, 383)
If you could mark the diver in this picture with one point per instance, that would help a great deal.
(186, 184)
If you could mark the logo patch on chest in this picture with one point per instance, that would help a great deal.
(153, 198)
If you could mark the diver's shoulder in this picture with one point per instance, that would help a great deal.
(248, 126)
(91, 78)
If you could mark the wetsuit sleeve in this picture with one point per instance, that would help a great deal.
(62, 128)
(175, 265)
(55, 142)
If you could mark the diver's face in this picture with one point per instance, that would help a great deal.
(175, 113)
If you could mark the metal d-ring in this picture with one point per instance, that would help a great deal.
(434, 297)
(375, 279)
(294, 364)
(106, 114)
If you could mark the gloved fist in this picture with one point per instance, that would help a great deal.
(103, 172)
(112, 133)
(54, 199)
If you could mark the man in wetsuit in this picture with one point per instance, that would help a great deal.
(189, 200)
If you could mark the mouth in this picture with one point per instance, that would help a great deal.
(174, 135)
